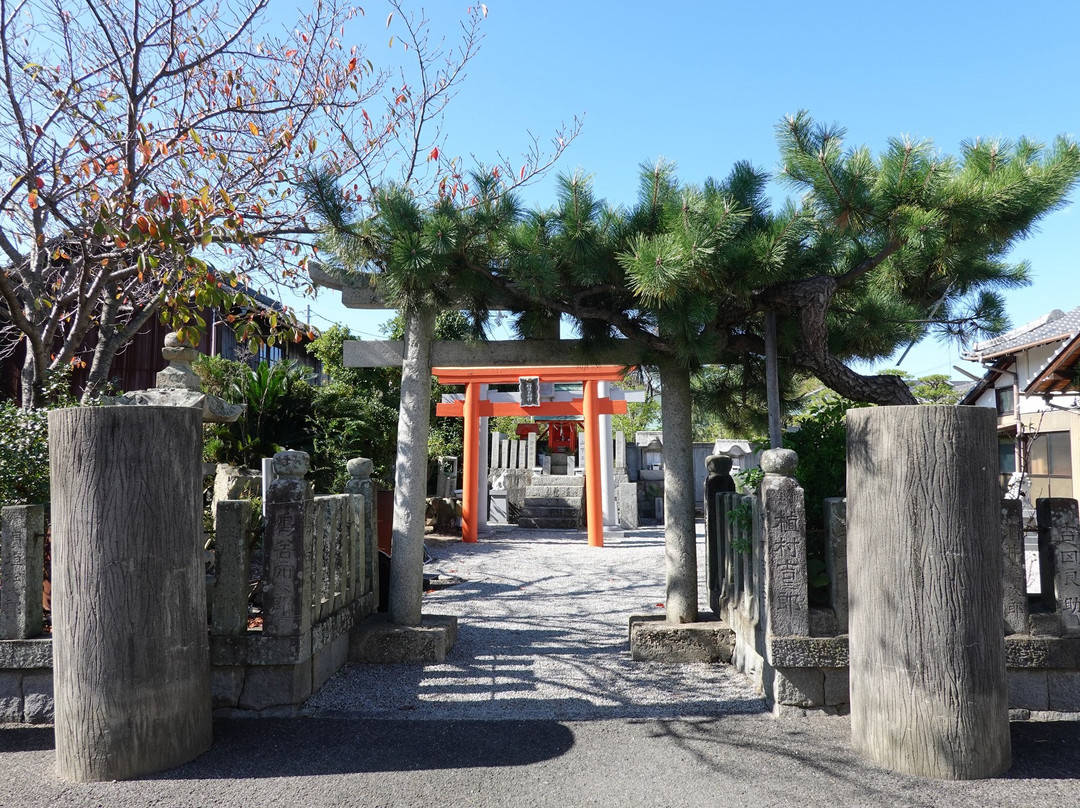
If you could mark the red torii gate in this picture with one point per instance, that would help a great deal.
(473, 408)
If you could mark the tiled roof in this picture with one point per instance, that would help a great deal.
(1048, 328)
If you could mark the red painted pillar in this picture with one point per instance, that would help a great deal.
(470, 477)
(593, 495)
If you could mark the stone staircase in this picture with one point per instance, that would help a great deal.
(554, 502)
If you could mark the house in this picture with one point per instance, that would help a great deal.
(137, 364)
(1031, 380)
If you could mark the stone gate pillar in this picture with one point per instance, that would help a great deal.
(928, 687)
(131, 659)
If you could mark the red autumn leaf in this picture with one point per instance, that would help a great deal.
(31, 200)
(40, 183)
(433, 156)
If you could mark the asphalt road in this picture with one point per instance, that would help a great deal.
(539, 705)
(738, 760)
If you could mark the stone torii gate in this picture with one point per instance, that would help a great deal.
(476, 407)
(417, 354)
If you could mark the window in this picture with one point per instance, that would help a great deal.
(1003, 397)
(1050, 465)
(1006, 461)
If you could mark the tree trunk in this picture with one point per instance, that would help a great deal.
(131, 662)
(810, 301)
(928, 687)
(680, 537)
(410, 474)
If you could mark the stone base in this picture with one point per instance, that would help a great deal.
(653, 639)
(377, 640)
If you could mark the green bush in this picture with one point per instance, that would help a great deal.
(24, 446)
(279, 404)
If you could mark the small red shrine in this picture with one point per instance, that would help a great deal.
(590, 407)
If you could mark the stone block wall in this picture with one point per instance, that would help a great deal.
(797, 656)
(321, 581)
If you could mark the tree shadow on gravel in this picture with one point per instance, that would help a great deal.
(818, 749)
(21, 738)
(245, 749)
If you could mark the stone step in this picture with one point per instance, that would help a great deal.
(546, 490)
(545, 511)
(554, 502)
(549, 523)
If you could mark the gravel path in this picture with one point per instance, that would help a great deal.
(542, 634)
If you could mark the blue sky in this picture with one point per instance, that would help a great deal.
(704, 84)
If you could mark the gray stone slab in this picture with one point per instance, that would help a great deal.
(1025, 651)
(231, 558)
(626, 505)
(275, 686)
(837, 687)
(836, 559)
(37, 691)
(495, 353)
(26, 654)
(784, 541)
(1063, 690)
(22, 558)
(797, 687)
(653, 639)
(1059, 558)
(1013, 578)
(11, 703)
(372, 353)
(1028, 690)
(808, 652)
(226, 685)
(377, 640)
(259, 648)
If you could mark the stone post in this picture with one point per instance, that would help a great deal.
(1014, 576)
(718, 482)
(783, 526)
(228, 610)
(927, 650)
(496, 439)
(130, 650)
(620, 455)
(410, 475)
(360, 483)
(504, 454)
(1059, 559)
(288, 576)
(680, 536)
(22, 569)
(530, 461)
(836, 559)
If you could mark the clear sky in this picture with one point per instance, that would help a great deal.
(704, 84)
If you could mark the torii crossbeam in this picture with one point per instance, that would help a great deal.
(474, 408)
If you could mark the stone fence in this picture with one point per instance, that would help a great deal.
(318, 579)
(797, 652)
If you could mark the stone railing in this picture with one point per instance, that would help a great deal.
(25, 652)
(319, 579)
(798, 653)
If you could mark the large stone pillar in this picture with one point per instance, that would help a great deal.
(131, 659)
(928, 687)
(410, 473)
(680, 538)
